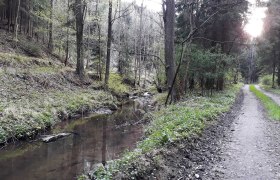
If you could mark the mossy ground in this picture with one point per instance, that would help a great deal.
(116, 84)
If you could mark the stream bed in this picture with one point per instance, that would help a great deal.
(95, 139)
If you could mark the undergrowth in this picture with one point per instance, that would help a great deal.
(116, 84)
(16, 60)
(172, 124)
(272, 107)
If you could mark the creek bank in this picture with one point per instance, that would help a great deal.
(94, 139)
(40, 92)
(181, 141)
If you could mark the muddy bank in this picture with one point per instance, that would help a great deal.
(192, 158)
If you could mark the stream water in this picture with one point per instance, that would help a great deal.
(97, 139)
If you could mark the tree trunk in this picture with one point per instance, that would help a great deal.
(50, 45)
(278, 70)
(169, 27)
(120, 31)
(109, 43)
(17, 17)
(80, 8)
(135, 63)
(67, 36)
(273, 70)
(100, 67)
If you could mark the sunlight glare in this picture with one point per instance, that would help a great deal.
(255, 24)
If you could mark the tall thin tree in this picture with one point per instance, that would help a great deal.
(109, 43)
(17, 19)
(169, 32)
(80, 13)
(50, 45)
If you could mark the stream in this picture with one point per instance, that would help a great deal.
(95, 140)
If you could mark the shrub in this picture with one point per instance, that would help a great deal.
(116, 84)
(266, 80)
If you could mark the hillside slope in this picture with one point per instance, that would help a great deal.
(37, 92)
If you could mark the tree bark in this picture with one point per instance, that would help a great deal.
(50, 45)
(17, 17)
(67, 36)
(140, 44)
(80, 8)
(100, 67)
(109, 43)
(273, 70)
(169, 27)
(278, 67)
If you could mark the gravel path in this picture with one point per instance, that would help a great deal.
(251, 150)
(273, 96)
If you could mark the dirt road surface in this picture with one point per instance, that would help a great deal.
(251, 150)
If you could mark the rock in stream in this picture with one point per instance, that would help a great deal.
(54, 137)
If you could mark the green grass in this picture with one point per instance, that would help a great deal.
(172, 124)
(271, 107)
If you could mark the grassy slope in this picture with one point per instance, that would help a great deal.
(272, 108)
(38, 92)
(172, 124)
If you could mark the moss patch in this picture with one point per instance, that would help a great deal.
(116, 84)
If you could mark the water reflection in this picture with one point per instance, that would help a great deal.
(104, 138)
(95, 141)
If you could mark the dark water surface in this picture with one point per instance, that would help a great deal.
(97, 139)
